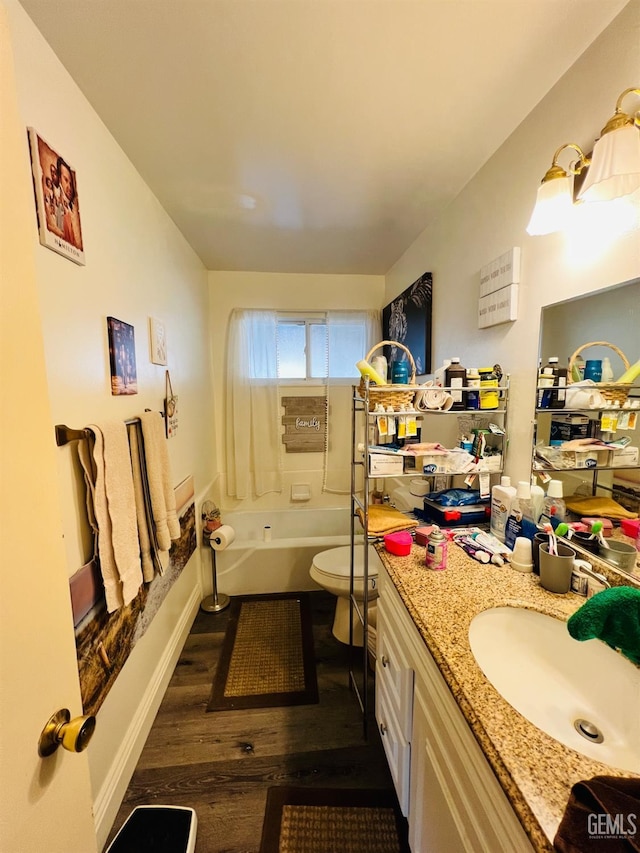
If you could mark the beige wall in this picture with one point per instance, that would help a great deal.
(491, 214)
(137, 266)
(38, 670)
(286, 292)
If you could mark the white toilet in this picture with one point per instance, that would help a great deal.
(330, 569)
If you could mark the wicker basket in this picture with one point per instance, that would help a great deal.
(612, 391)
(390, 395)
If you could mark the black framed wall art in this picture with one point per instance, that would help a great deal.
(408, 320)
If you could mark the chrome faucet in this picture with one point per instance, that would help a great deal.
(594, 575)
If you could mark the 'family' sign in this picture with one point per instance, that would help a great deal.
(304, 422)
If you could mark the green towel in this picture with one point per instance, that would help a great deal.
(612, 616)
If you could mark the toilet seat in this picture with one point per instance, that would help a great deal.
(336, 562)
(331, 570)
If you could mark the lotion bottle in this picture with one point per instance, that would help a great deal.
(502, 497)
(607, 370)
(520, 521)
(537, 498)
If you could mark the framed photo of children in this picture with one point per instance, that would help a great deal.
(122, 357)
(57, 202)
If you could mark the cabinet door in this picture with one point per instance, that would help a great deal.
(435, 824)
(456, 802)
(396, 747)
(393, 668)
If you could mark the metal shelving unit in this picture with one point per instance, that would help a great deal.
(363, 435)
(586, 472)
(359, 681)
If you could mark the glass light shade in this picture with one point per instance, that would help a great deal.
(554, 207)
(615, 166)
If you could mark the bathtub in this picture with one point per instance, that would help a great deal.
(252, 565)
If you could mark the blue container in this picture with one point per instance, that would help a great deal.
(400, 373)
(593, 369)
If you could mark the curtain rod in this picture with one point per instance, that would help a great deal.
(65, 434)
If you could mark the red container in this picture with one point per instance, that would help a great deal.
(630, 526)
(398, 543)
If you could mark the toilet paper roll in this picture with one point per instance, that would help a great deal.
(430, 397)
(222, 537)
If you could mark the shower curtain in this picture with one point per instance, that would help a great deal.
(253, 428)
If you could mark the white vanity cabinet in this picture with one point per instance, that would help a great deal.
(394, 700)
(445, 786)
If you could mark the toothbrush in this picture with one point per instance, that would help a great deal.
(553, 543)
(596, 530)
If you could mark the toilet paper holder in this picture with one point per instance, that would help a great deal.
(215, 602)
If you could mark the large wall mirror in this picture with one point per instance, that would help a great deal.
(611, 315)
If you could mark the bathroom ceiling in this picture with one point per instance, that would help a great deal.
(317, 136)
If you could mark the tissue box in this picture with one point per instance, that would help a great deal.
(592, 457)
(385, 465)
(432, 463)
(623, 457)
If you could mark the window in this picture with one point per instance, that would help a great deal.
(313, 347)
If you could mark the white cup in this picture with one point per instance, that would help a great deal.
(522, 557)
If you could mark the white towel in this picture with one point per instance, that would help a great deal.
(163, 500)
(148, 571)
(115, 513)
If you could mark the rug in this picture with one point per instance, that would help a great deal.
(267, 657)
(332, 820)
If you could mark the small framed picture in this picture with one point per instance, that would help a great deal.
(122, 357)
(157, 341)
(57, 202)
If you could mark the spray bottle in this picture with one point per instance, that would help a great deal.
(436, 552)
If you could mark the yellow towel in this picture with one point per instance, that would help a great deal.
(386, 519)
(595, 506)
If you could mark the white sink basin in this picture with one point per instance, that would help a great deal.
(554, 681)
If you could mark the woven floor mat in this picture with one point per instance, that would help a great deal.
(332, 820)
(267, 658)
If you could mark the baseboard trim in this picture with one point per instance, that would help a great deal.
(111, 794)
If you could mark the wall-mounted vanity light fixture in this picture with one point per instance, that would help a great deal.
(612, 171)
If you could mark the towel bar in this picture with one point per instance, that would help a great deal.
(65, 434)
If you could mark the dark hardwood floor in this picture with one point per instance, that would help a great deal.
(221, 763)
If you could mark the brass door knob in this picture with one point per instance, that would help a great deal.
(74, 735)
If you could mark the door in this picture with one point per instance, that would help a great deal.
(46, 803)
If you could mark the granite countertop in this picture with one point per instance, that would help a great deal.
(535, 771)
